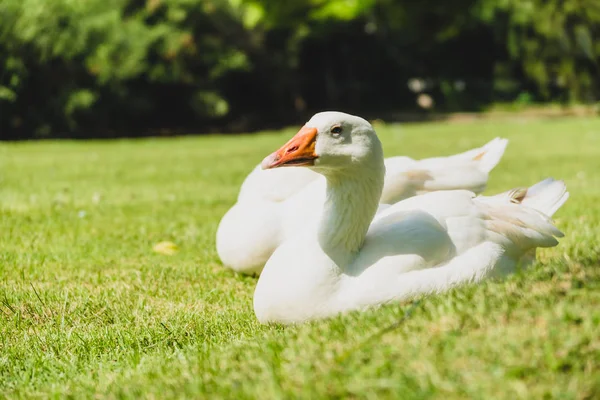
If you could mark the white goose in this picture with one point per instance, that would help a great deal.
(405, 177)
(349, 258)
(272, 204)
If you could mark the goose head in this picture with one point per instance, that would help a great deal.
(330, 143)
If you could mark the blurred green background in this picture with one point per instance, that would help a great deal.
(106, 68)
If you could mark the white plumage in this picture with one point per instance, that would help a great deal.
(273, 203)
(349, 256)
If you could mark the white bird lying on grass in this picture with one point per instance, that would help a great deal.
(351, 257)
(272, 204)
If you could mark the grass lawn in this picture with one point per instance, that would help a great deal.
(87, 309)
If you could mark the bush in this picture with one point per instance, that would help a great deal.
(114, 67)
(106, 65)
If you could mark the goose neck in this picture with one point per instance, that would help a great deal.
(350, 204)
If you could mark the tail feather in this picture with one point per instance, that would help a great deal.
(491, 154)
(522, 215)
(486, 156)
(546, 196)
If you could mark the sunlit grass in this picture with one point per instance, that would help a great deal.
(87, 308)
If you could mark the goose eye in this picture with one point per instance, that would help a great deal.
(336, 130)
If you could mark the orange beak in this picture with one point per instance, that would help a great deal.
(299, 151)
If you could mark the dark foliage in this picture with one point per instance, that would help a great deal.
(107, 68)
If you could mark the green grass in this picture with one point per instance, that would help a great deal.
(87, 309)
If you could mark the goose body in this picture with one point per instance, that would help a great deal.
(350, 256)
(273, 203)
